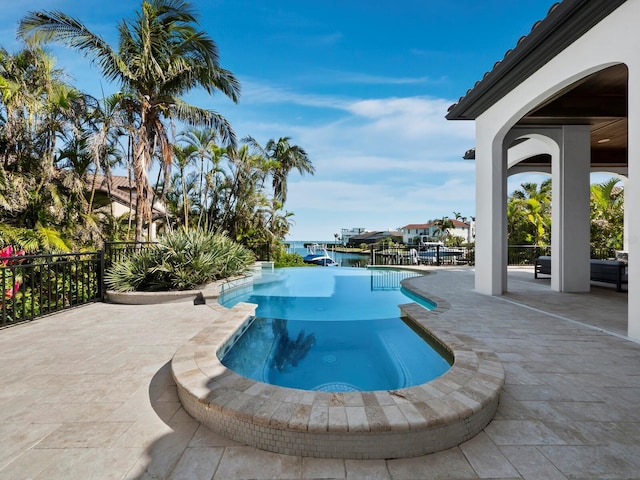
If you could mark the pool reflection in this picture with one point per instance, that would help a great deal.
(289, 352)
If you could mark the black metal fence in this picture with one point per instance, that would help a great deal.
(423, 255)
(603, 253)
(526, 254)
(37, 285)
(116, 251)
(441, 255)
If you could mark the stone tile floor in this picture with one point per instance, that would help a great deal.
(88, 394)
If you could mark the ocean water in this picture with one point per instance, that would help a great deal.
(343, 259)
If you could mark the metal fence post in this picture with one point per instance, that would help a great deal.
(101, 268)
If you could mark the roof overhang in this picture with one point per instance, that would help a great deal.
(564, 24)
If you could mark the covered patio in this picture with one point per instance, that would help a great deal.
(562, 102)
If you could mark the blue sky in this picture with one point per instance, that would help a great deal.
(362, 86)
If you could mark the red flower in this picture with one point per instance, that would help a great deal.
(10, 292)
(6, 252)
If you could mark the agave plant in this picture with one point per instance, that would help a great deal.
(182, 260)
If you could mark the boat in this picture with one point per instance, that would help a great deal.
(432, 254)
(317, 255)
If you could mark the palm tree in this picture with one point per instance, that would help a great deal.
(241, 199)
(183, 156)
(203, 144)
(442, 227)
(458, 216)
(109, 124)
(607, 215)
(529, 214)
(161, 56)
(284, 157)
(37, 108)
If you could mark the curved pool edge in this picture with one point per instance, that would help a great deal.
(364, 425)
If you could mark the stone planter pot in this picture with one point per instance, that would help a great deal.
(199, 296)
(149, 298)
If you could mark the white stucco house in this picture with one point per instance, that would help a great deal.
(347, 233)
(414, 233)
(562, 101)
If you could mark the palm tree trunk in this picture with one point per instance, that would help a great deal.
(185, 205)
(93, 191)
(140, 177)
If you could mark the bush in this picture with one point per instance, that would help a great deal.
(182, 260)
(285, 259)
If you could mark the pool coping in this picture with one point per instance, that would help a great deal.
(366, 425)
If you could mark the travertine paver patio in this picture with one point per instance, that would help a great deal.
(88, 394)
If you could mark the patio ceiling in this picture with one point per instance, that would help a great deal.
(599, 100)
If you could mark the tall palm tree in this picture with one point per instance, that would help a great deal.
(241, 198)
(528, 190)
(161, 56)
(203, 143)
(109, 125)
(284, 157)
(183, 156)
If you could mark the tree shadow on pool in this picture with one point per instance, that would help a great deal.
(289, 352)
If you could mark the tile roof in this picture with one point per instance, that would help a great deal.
(120, 188)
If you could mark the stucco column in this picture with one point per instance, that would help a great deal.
(632, 204)
(626, 218)
(491, 225)
(570, 234)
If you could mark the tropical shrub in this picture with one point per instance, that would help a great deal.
(607, 215)
(182, 260)
(286, 259)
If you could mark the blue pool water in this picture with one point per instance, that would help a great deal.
(332, 329)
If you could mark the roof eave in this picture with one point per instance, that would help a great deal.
(565, 23)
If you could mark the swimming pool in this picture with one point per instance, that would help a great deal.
(334, 330)
(326, 294)
(381, 424)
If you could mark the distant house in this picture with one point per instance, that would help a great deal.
(117, 195)
(415, 233)
(347, 233)
(370, 238)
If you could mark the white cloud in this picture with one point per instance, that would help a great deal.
(259, 93)
(337, 77)
(380, 162)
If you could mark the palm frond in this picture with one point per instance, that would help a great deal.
(199, 116)
(44, 27)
